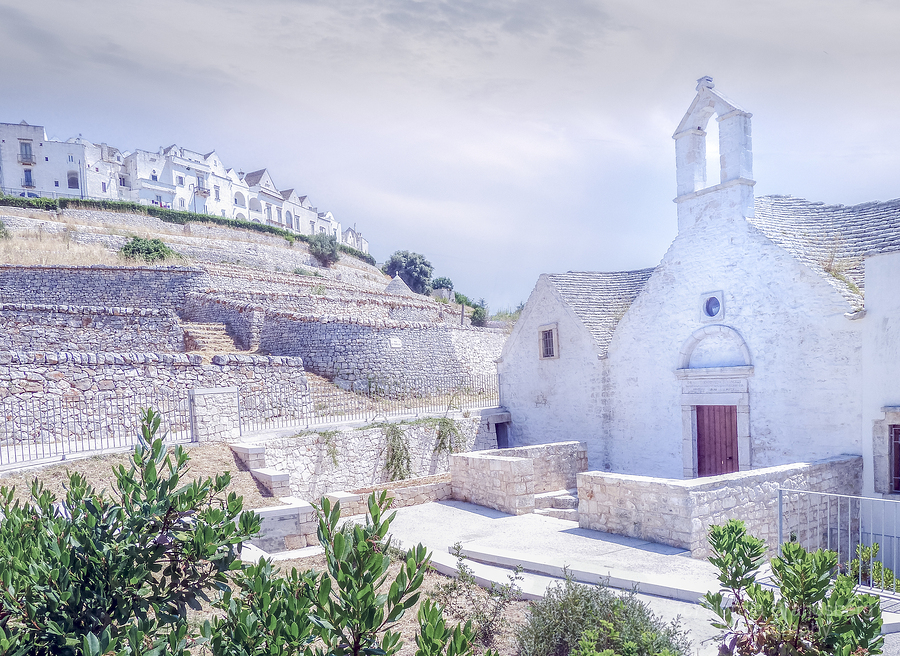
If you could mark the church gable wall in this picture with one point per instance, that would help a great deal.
(804, 352)
(555, 399)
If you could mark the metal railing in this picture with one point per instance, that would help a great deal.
(851, 526)
(27, 159)
(41, 428)
(278, 407)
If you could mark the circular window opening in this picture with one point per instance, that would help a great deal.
(712, 306)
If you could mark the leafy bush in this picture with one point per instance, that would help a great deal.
(412, 268)
(324, 248)
(149, 250)
(813, 613)
(464, 599)
(365, 257)
(4, 231)
(479, 316)
(397, 459)
(339, 612)
(571, 613)
(98, 573)
(867, 570)
(442, 283)
(30, 203)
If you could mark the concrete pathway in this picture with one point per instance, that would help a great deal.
(666, 578)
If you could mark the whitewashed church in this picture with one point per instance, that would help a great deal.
(768, 334)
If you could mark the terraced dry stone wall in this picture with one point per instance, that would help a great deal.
(107, 286)
(27, 327)
(360, 454)
(680, 512)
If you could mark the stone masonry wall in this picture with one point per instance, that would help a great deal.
(81, 328)
(680, 512)
(328, 461)
(109, 286)
(556, 465)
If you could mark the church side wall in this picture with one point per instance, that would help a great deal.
(805, 354)
(554, 400)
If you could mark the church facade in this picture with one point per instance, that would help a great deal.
(768, 334)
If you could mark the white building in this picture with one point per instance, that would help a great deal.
(768, 334)
(31, 165)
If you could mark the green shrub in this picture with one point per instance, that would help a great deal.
(103, 572)
(30, 203)
(620, 622)
(462, 299)
(149, 250)
(442, 283)
(867, 570)
(412, 268)
(812, 609)
(324, 248)
(365, 257)
(397, 459)
(479, 316)
(4, 231)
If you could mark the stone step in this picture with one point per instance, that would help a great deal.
(547, 499)
(207, 338)
(559, 513)
(565, 502)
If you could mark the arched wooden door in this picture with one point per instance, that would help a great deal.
(717, 440)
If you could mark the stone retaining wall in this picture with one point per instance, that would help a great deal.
(326, 461)
(108, 286)
(411, 492)
(25, 327)
(507, 482)
(556, 465)
(680, 512)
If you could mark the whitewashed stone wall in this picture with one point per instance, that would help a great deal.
(679, 512)
(26, 327)
(360, 454)
(556, 465)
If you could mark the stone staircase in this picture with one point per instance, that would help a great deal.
(207, 339)
(562, 504)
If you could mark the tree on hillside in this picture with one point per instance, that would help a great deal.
(442, 283)
(412, 268)
(324, 248)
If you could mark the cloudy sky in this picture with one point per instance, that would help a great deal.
(501, 139)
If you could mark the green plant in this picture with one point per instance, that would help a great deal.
(462, 598)
(330, 446)
(319, 290)
(30, 203)
(324, 248)
(573, 617)
(100, 573)
(435, 639)
(442, 283)
(462, 299)
(813, 613)
(340, 612)
(4, 231)
(867, 570)
(149, 250)
(412, 268)
(397, 459)
(479, 316)
(304, 272)
(449, 438)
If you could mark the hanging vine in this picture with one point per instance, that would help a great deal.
(330, 446)
(397, 459)
(449, 438)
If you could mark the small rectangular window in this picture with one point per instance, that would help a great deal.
(158, 199)
(179, 180)
(894, 432)
(103, 187)
(121, 180)
(154, 178)
(181, 203)
(71, 158)
(548, 342)
(56, 183)
(216, 189)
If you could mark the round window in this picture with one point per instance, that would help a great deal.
(712, 306)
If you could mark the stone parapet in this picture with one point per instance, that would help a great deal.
(556, 465)
(494, 481)
(680, 512)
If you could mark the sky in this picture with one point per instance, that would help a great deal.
(501, 139)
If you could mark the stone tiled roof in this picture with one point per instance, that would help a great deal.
(254, 177)
(833, 240)
(397, 286)
(600, 300)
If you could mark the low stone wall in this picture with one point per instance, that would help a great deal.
(291, 526)
(243, 321)
(411, 492)
(494, 481)
(508, 479)
(680, 512)
(556, 465)
(108, 286)
(88, 328)
(327, 461)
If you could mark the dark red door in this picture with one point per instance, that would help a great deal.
(717, 445)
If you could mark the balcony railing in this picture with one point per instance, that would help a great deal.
(27, 183)
(202, 191)
(27, 159)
